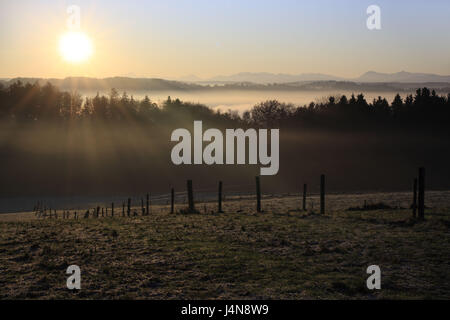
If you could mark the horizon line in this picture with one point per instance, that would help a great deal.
(211, 78)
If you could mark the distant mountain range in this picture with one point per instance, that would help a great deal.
(264, 77)
(120, 83)
(403, 76)
(371, 76)
(370, 81)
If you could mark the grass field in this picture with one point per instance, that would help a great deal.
(234, 255)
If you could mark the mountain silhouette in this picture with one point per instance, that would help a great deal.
(402, 76)
(269, 78)
(369, 81)
(121, 83)
(265, 77)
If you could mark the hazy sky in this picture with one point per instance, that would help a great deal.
(174, 38)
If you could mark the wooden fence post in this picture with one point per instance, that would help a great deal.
(258, 194)
(304, 197)
(190, 196)
(112, 209)
(414, 206)
(142, 207)
(172, 200)
(129, 207)
(220, 198)
(322, 194)
(421, 193)
(147, 212)
(123, 209)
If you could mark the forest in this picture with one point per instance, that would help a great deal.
(22, 103)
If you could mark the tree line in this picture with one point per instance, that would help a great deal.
(33, 103)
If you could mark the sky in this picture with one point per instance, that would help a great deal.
(176, 38)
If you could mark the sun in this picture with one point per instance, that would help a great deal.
(75, 47)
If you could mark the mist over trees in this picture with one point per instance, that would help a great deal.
(60, 143)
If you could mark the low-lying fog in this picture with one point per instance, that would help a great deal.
(240, 100)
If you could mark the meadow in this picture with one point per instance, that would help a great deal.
(280, 253)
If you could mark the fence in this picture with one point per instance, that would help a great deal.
(234, 202)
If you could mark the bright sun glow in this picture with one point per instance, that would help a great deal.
(75, 47)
